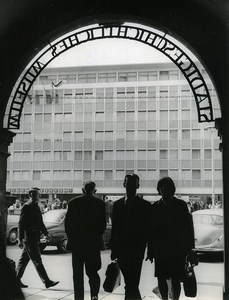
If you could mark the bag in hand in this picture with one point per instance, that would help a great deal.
(113, 277)
(189, 282)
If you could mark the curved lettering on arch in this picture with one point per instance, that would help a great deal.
(150, 38)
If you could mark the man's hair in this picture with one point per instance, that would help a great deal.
(132, 179)
(89, 186)
(33, 190)
(132, 176)
(167, 185)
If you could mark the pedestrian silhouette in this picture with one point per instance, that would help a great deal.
(129, 236)
(172, 238)
(85, 224)
(30, 226)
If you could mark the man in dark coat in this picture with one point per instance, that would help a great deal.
(85, 224)
(30, 228)
(129, 235)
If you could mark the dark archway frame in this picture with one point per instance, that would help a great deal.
(95, 32)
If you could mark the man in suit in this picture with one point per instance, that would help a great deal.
(130, 234)
(30, 227)
(85, 224)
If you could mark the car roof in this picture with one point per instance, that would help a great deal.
(61, 210)
(214, 211)
(13, 218)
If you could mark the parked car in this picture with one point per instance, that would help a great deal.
(12, 229)
(54, 222)
(208, 228)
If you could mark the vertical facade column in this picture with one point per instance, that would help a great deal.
(6, 138)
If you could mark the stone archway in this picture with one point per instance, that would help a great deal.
(160, 42)
(153, 38)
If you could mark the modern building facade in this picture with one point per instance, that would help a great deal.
(101, 122)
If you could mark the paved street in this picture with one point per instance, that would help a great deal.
(209, 275)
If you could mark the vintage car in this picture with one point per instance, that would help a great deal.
(11, 229)
(54, 222)
(208, 228)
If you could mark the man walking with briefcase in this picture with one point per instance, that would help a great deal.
(130, 234)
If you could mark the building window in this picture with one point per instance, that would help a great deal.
(130, 155)
(163, 173)
(141, 154)
(173, 134)
(87, 175)
(98, 174)
(185, 154)
(45, 175)
(106, 77)
(67, 136)
(195, 154)
(68, 78)
(87, 155)
(186, 135)
(173, 154)
(163, 75)
(207, 154)
(57, 175)
(127, 76)
(78, 137)
(38, 118)
(58, 155)
(163, 154)
(78, 175)
(17, 175)
(98, 155)
(120, 155)
(108, 155)
(78, 155)
(67, 175)
(46, 155)
(47, 118)
(147, 76)
(174, 74)
(87, 78)
(108, 174)
(196, 174)
(26, 156)
(67, 155)
(120, 174)
(17, 156)
(36, 175)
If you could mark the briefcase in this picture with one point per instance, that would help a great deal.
(189, 282)
(113, 277)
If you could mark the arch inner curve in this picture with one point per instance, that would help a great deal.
(151, 37)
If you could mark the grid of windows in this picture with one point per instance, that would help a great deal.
(72, 134)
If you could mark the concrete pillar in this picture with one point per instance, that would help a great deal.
(223, 125)
(9, 289)
(6, 138)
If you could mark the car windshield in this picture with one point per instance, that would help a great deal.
(208, 220)
(53, 216)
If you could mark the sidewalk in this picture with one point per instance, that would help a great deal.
(205, 292)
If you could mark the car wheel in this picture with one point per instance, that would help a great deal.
(62, 247)
(12, 237)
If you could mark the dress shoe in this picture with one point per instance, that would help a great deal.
(51, 283)
(94, 298)
(21, 285)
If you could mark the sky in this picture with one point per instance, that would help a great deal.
(109, 51)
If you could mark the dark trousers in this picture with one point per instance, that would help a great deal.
(31, 251)
(131, 271)
(92, 263)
